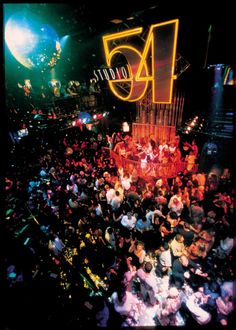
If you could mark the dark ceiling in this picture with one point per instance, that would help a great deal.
(86, 22)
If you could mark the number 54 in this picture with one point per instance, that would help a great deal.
(156, 63)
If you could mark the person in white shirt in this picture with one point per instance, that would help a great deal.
(118, 187)
(224, 308)
(168, 313)
(129, 221)
(165, 260)
(194, 303)
(123, 301)
(72, 187)
(110, 193)
(116, 201)
(172, 147)
(175, 205)
(177, 245)
(148, 283)
(227, 244)
(162, 147)
(126, 181)
(225, 303)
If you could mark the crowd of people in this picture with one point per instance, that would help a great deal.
(127, 251)
(154, 158)
(30, 106)
(56, 89)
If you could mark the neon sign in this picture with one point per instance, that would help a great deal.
(155, 64)
(111, 73)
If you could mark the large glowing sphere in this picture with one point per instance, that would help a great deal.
(34, 45)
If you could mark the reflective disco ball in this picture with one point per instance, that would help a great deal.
(34, 45)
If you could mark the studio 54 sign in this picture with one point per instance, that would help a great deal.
(154, 64)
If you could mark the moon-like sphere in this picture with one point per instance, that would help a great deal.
(34, 45)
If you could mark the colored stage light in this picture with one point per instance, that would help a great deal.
(26, 241)
(85, 117)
